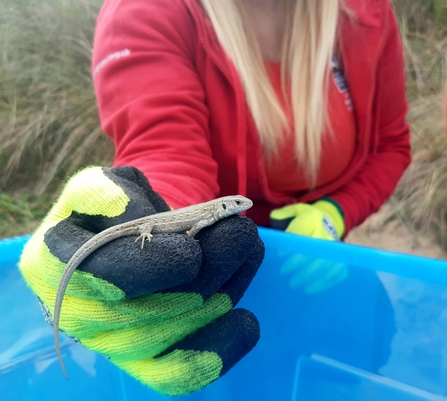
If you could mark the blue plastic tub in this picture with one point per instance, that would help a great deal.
(381, 334)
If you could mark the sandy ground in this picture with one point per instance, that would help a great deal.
(394, 236)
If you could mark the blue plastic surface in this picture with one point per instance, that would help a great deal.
(381, 334)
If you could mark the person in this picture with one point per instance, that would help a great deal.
(299, 105)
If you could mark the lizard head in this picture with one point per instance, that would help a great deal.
(234, 204)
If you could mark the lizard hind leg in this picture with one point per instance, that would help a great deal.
(145, 234)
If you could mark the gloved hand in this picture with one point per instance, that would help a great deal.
(165, 313)
(324, 220)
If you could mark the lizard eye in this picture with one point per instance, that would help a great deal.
(238, 202)
(224, 206)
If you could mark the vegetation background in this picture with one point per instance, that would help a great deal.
(50, 127)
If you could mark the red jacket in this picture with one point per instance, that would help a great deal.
(174, 106)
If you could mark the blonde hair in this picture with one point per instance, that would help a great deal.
(308, 47)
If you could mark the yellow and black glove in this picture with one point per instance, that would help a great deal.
(324, 220)
(165, 313)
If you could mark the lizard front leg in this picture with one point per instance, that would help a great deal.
(145, 233)
(199, 225)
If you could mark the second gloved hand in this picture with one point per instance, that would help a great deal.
(324, 220)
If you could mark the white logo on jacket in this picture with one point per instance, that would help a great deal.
(109, 58)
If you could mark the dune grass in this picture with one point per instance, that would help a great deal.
(420, 200)
(48, 117)
(50, 127)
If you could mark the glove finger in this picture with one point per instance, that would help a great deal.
(306, 223)
(128, 197)
(164, 262)
(225, 247)
(86, 318)
(137, 198)
(104, 198)
(167, 261)
(238, 283)
(282, 217)
(148, 340)
(200, 358)
(288, 211)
